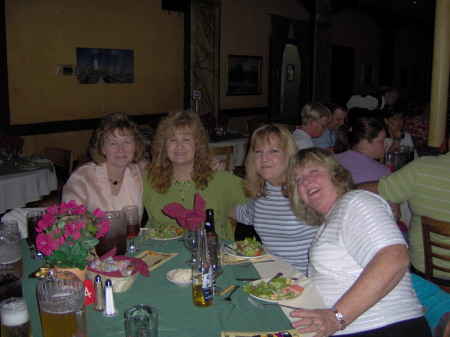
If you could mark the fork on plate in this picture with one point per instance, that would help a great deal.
(262, 305)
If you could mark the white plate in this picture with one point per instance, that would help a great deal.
(178, 283)
(231, 252)
(272, 301)
(28, 168)
(149, 236)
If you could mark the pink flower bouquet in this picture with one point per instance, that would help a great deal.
(67, 232)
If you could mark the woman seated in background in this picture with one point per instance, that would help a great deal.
(113, 178)
(267, 209)
(358, 260)
(182, 166)
(395, 136)
(359, 148)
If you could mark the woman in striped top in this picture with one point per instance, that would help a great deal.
(267, 209)
(358, 258)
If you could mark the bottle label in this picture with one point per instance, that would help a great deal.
(207, 287)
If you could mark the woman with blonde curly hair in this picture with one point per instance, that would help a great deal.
(113, 178)
(267, 208)
(181, 166)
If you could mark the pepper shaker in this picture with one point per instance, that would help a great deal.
(110, 308)
(99, 301)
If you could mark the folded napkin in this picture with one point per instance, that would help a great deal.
(187, 218)
(20, 215)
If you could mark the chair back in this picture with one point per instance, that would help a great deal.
(224, 154)
(62, 159)
(435, 260)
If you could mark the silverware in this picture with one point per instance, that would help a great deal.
(155, 263)
(262, 305)
(228, 298)
(276, 276)
(248, 264)
(256, 279)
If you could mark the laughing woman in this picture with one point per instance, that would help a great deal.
(358, 260)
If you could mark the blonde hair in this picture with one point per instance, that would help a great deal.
(108, 125)
(340, 178)
(254, 184)
(160, 170)
(313, 111)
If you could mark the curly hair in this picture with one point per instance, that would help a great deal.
(107, 126)
(160, 170)
(269, 134)
(340, 178)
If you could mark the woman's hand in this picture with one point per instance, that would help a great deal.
(320, 321)
(217, 165)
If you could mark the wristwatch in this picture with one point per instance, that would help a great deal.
(339, 317)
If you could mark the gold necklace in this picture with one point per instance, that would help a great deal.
(182, 186)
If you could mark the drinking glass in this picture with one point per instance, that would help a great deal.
(141, 321)
(190, 242)
(33, 218)
(10, 282)
(61, 305)
(116, 236)
(217, 261)
(15, 318)
(10, 245)
(133, 226)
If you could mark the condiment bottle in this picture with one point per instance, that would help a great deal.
(110, 308)
(202, 273)
(99, 301)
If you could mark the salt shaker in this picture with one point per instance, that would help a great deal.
(99, 301)
(110, 308)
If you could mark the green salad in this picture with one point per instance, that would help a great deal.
(278, 289)
(164, 232)
(248, 247)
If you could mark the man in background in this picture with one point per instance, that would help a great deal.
(338, 118)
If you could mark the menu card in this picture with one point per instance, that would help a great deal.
(284, 333)
(155, 259)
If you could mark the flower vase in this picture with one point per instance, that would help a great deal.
(81, 274)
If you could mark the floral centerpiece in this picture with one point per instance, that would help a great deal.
(67, 232)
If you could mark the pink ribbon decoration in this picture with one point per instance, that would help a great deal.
(187, 218)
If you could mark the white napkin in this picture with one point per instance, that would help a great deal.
(20, 215)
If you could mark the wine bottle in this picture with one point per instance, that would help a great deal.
(212, 237)
(202, 273)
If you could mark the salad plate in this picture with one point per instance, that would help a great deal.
(164, 233)
(268, 292)
(246, 249)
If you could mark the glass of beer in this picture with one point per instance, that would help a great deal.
(10, 282)
(15, 318)
(10, 247)
(33, 218)
(61, 305)
(133, 226)
(116, 236)
(141, 320)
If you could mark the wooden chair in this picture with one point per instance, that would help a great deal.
(226, 151)
(62, 159)
(436, 227)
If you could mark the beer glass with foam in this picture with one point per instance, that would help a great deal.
(61, 305)
(10, 246)
(15, 318)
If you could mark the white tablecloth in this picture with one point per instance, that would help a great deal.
(238, 157)
(17, 189)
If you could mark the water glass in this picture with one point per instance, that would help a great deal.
(133, 226)
(33, 218)
(10, 282)
(116, 236)
(15, 320)
(190, 243)
(10, 246)
(141, 321)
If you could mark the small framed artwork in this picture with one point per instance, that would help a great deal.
(367, 74)
(66, 70)
(243, 75)
(290, 73)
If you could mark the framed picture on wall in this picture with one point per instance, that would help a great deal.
(367, 74)
(244, 75)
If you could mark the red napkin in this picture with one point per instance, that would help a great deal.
(140, 266)
(187, 218)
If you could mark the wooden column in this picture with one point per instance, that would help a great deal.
(440, 74)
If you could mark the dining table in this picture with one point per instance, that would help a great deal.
(177, 316)
(237, 140)
(24, 179)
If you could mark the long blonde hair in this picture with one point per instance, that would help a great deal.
(340, 178)
(254, 184)
(160, 170)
